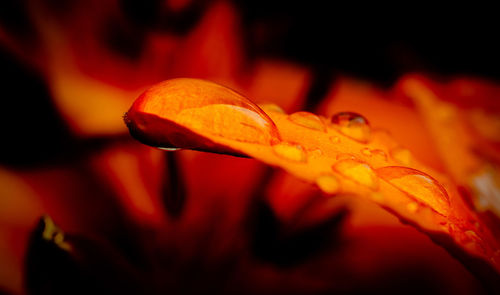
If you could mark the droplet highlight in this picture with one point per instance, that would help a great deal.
(352, 125)
(419, 186)
(290, 151)
(328, 183)
(308, 120)
(357, 171)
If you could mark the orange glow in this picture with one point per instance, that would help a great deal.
(255, 158)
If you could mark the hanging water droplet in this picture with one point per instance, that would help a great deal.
(308, 120)
(352, 125)
(419, 186)
(357, 171)
(328, 183)
(271, 107)
(402, 156)
(177, 113)
(290, 151)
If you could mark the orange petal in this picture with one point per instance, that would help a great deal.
(224, 121)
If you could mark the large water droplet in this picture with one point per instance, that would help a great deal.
(308, 120)
(352, 125)
(419, 186)
(175, 113)
(357, 171)
(290, 151)
(328, 183)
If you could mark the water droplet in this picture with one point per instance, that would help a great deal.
(335, 139)
(402, 156)
(290, 151)
(352, 125)
(308, 120)
(271, 107)
(357, 171)
(366, 152)
(419, 186)
(328, 183)
(177, 112)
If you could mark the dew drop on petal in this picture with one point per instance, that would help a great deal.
(352, 125)
(308, 120)
(357, 171)
(290, 151)
(420, 186)
(328, 183)
(186, 105)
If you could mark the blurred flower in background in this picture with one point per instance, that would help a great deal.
(84, 208)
